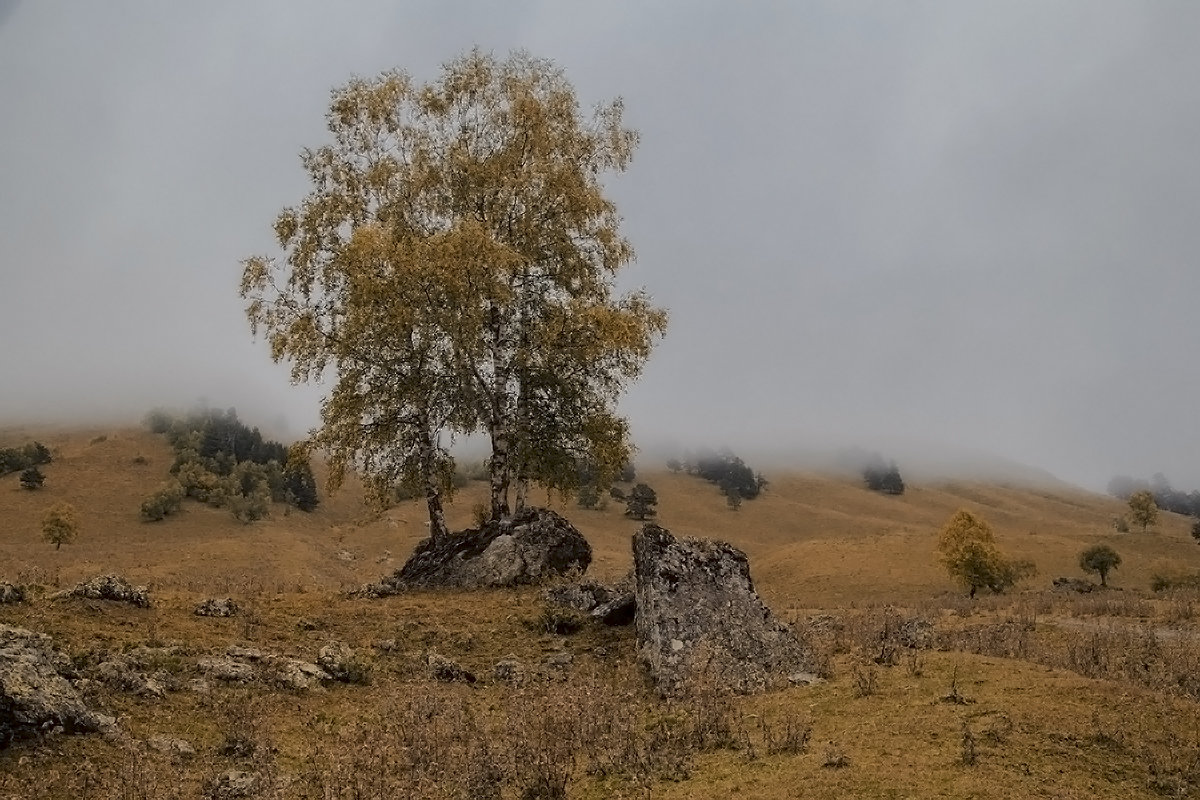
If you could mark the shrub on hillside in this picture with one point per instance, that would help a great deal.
(250, 507)
(1166, 583)
(218, 459)
(32, 478)
(641, 502)
(197, 481)
(165, 500)
(15, 459)
(589, 496)
(728, 472)
(883, 477)
(300, 487)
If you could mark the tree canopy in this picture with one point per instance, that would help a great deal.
(1143, 510)
(969, 553)
(1099, 559)
(453, 266)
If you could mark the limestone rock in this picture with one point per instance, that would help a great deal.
(337, 659)
(217, 607)
(227, 670)
(581, 597)
(611, 605)
(294, 674)
(170, 746)
(621, 610)
(526, 548)
(233, 784)
(110, 587)
(251, 665)
(35, 697)
(509, 670)
(447, 670)
(698, 617)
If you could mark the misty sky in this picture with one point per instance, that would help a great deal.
(905, 226)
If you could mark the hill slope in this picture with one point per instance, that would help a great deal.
(1033, 694)
(813, 540)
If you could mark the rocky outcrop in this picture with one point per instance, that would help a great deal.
(251, 665)
(110, 587)
(340, 662)
(35, 696)
(526, 548)
(217, 607)
(447, 670)
(10, 593)
(698, 617)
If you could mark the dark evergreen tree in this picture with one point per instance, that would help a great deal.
(589, 496)
(641, 501)
(300, 484)
(32, 478)
(883, 477)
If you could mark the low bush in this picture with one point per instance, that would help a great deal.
(166, 500)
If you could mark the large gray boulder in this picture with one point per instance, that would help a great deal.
(526, 548)
(699, 618)
(35, 697)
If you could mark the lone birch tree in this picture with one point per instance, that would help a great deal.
(453, 267)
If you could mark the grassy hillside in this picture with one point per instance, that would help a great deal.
(1061, 696)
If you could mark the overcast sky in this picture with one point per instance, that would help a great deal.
(904, 226)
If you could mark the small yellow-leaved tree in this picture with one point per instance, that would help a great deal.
(60, 524)
(1142, 509)
(968, 551)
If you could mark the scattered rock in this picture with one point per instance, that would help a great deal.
(110, 587)
(250, 665)
(345, 555)
(1074, 585)
(581, 597)
(509, 670)
(233, 784)
(698, 616)
(119, 674)
(607, 604)
(217, 607)
(621, 610)
(294, 674)
(556, 665)
(175, 747)
(447, 670)
(526, 548)
(385, 645)
(35, 696)
(804, 679)
(140, 671)
(11, 593)
(915, 633)
(338, 660)
(227, 670)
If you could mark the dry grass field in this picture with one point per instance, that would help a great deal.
(1029, 694)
